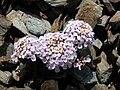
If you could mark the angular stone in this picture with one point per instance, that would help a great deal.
(56, 2)
(49, 85)
(27, 23)
(15, 88)
(103, 20)
(104, 70)
(115, 18)
(5, 25)
(37, 26)
(81, 75)
(17, 17)
(57, 24)
(89, 12)
(114, 1)
(118, 62)
(101, 87)
(109, 6)
(20, 72)
(97, 43)
(91, 79)
(5, 76)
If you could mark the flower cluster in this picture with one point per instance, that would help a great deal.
(24, 48)
(82, 31)
(56, 50)
(81, 62)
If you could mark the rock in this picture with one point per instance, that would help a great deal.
(91, 79)
(37, 26)
(49, 85)
(15, 88)
(118, 62)
(20, 72)
(57, 24)
(115, 17)
(109, 6)
(81, 75)
(71, 88)
(103, 20)
(71, 4)
(104, 70)
(102, 87)
(97, 43)
(89, 12)
(27, 23)
(5, 76)
(56, 2)
(5, 25)
(114, 1)
(2, 87)
(10, 50)
(17, 17)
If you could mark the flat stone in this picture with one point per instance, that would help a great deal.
(97, 43)
(28, 24)
(91, 79)
(82, 74)
(5, 25)
(5, 76)
(114, 1)
(37, 26)
(17, 17)
(103, 20)
(104, 70)
(118, 62)
(56, 2)
(115, 18)
(49, 85)
(89, 12)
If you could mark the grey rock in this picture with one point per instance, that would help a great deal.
(5, 25)
(91, 79)
(17, 17)
(70, 88)
(97, 43)
(5, 76)
(15, 88)
(118, 62)
(114, 1)
(81, 75)
(56, 2)
(28, 24)
(10, 50)
(37, 26)
(103, 20)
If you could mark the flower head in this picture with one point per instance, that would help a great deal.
(24, 48)
(56, 50)
(82, 31)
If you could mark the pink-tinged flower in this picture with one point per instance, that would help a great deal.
(24, 48)
(82, 61)
(82, 31)
(56, 50)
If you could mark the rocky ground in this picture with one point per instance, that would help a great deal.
(37, 17)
